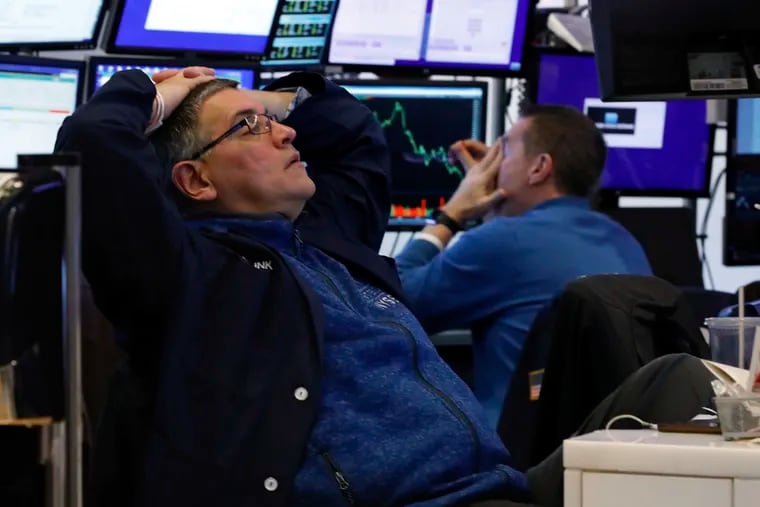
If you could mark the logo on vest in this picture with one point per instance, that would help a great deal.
(378, 298)
(262, 265)
(386, 301)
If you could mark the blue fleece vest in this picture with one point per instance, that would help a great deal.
(396, 426)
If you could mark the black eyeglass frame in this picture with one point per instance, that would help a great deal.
(245, 122)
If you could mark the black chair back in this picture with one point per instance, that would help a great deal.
(31, 292)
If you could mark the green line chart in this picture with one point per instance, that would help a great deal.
(426, 156)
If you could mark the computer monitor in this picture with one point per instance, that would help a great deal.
(654, 148)
(36, 95)
(741, 231)
(420, 121)
(666, 49)
(50, 24)
(451, 36)
(100, 69)
(300, 33)
(230, 28)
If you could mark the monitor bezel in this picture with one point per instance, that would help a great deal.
(482, 85)
(612, 193)
(423, 71)
(78, 65)
(90, 43)
(112, 48)
(94, 61)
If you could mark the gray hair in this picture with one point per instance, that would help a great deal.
(180, 135)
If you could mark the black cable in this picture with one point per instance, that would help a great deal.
(702, 236)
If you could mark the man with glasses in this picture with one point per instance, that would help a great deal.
(272, 358)
(541, 235)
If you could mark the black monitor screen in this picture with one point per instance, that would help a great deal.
(179, 27)
(468, 36)
(655, 148)
(50, 24)
(100, 69)
(300, 33)
(420, 122)
(36, 95)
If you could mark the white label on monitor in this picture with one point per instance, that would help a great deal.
(717, 71)
(472, 31)
(237, 17)
(377, 31)
(706, 85)
(628, 124)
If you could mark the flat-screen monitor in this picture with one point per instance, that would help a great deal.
(665, 49)
(741, 231)
(654, 148)
(224, 28)
(420, 122)
(50, 24)
(100, 69)
(300, 33)
(453, 36)
(36, 95)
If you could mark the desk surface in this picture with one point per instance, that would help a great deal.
(651, 452)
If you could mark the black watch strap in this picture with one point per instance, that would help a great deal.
(442, 218)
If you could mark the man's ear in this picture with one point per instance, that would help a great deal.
(542, 170)
(192, 181)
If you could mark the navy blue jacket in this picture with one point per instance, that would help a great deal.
(220, 341)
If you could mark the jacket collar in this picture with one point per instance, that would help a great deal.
(565, 201)
(272, 229)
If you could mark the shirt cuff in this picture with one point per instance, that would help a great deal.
(301, 94)
(430, 239)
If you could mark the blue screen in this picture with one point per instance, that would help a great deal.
(234, 26)
(658, 147)
(748, 126)
(102, 70)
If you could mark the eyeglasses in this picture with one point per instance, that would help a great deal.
(257, 124)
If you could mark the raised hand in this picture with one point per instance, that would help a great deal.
(478, 192)
(468, 152)
(174, 85)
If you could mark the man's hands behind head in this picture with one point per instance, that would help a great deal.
(175, 85)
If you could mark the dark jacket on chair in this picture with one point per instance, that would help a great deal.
(597, 332)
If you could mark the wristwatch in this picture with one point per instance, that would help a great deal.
(442, 218)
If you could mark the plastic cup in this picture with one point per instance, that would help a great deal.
(724, 338)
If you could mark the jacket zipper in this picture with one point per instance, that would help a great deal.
(343, 484)
(453, 408)
(297, 243)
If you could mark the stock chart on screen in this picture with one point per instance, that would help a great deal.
(420, 122)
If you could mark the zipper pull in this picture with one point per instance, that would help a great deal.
(298, 242)
(342, 482)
